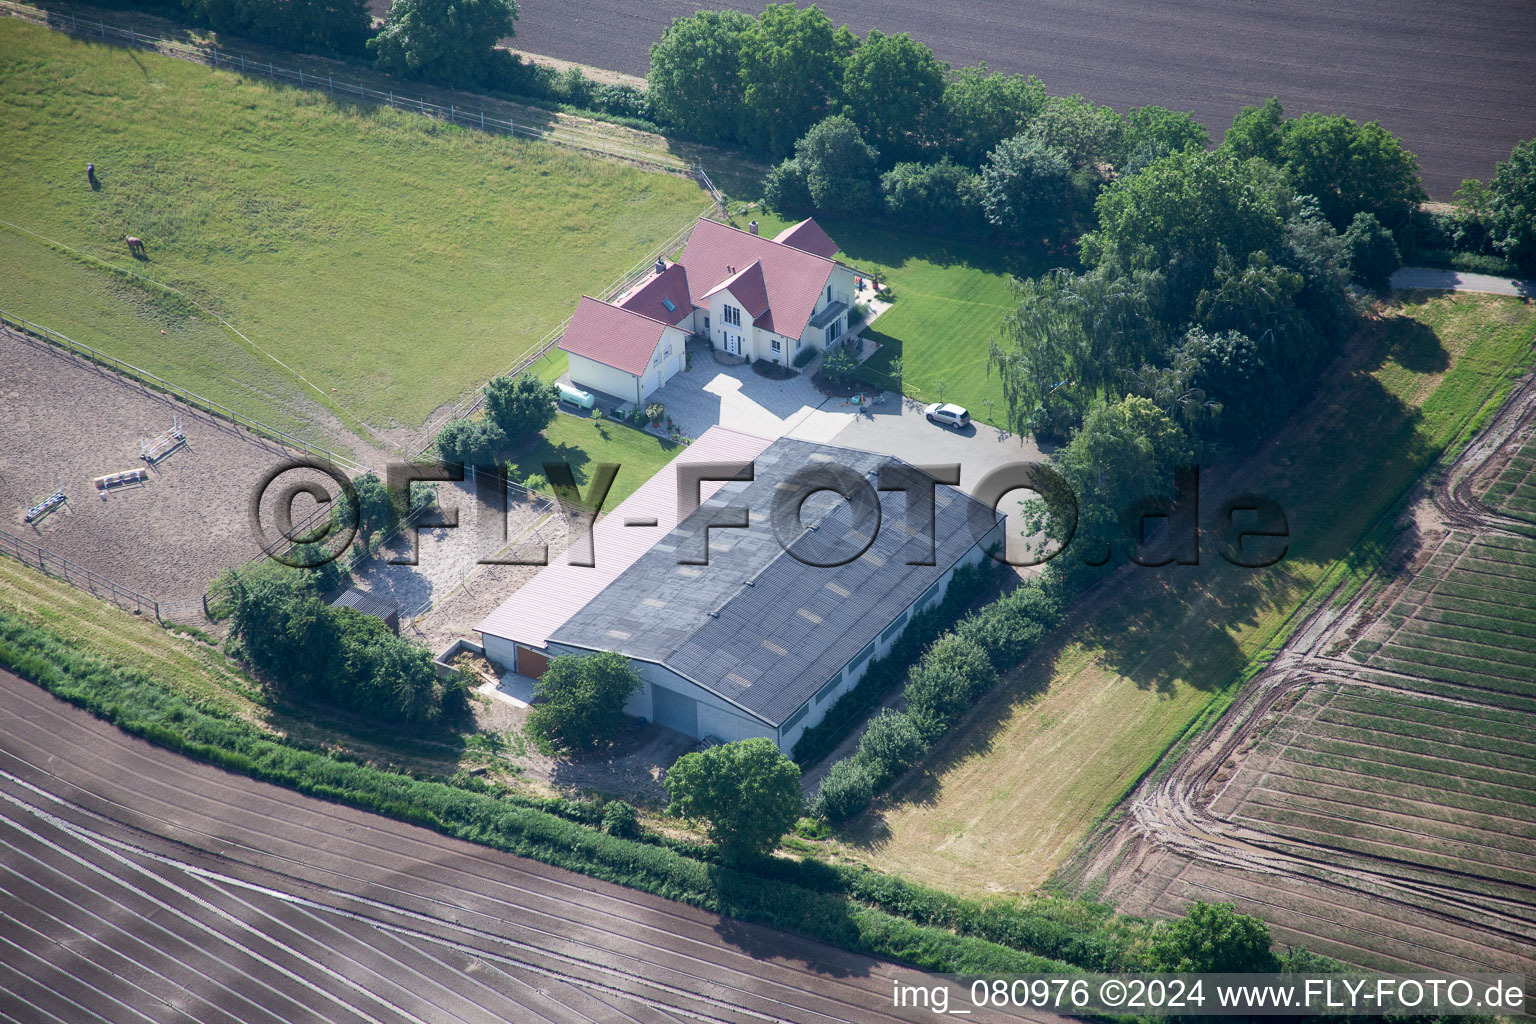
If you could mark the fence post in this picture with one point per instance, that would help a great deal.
(271, 71)
(331, 81)
(242, 63)
(103, 29)
(133, 37)
(482, 120)
(452, 117)
(301, 78)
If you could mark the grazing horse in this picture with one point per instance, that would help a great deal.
(136, 245)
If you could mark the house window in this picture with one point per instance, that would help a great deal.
(798, 342)
(862, 656)
(834, 330)
(669, 349)
(706, 323)
(670, 305)
(829, 293)
(731, 315)
(776, 346)
(827, 688)
(893, 628)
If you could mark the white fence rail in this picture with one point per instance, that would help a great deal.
(75, 574)
(189, 398)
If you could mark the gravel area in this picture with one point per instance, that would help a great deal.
(68, 421)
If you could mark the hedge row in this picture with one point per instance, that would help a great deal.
(842, 906)
(954, 672)
(885, 673)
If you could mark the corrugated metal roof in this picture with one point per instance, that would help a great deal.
(560, 590)
(738, 626)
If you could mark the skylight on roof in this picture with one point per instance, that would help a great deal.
(671, 306)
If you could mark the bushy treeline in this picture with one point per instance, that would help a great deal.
(337, 656)
(1492, 227)
(954, 671)
(853, 907)
(324, 26)
(882, 675)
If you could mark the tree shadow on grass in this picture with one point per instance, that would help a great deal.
(1343, 460)
(890, 245)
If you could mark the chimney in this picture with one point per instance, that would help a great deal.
(661, 266)
(752, 227)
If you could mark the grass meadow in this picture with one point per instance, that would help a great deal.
(380, 264)
(1011, 793)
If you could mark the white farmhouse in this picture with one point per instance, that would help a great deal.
(752, 297)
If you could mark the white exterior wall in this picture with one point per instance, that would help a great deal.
(499, 649)
(589, 373)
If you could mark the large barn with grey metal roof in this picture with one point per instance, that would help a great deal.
(764, 637)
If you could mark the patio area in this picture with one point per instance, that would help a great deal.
(739, 397)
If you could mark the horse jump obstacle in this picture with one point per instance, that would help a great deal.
(47, 505)
(104, 484)
(152, 450)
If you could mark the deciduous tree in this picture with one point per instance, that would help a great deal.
(695, 77)
(893, 87)
(446, 41)
(746, 793)
(579, 701)
(983, 108)
(792, 66)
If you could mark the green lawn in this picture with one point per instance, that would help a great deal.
(951, 296)
(585, 443)
(390, 261)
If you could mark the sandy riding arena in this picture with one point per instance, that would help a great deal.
(67, 422)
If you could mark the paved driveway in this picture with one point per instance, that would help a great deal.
(893, 428)
(1460, 281)
(739, 398)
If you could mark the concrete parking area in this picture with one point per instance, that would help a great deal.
(739, 397)
(897, 428)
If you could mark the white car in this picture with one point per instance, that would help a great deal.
(948, 415)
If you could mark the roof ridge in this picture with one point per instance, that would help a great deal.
(770, 241)
(625, 310)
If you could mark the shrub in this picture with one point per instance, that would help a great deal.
(840, 368)
(620, 819)
(579, 701)
(941, 197)
(747, 792)
(1373, 254)
(786, 189)
(470, 441)
(953, 673)
(1214, 938)
(804, 356)
(889, 747)
(845, 790)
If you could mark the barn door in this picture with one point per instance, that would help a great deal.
(675, 711)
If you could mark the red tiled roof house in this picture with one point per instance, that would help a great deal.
(753, 297)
